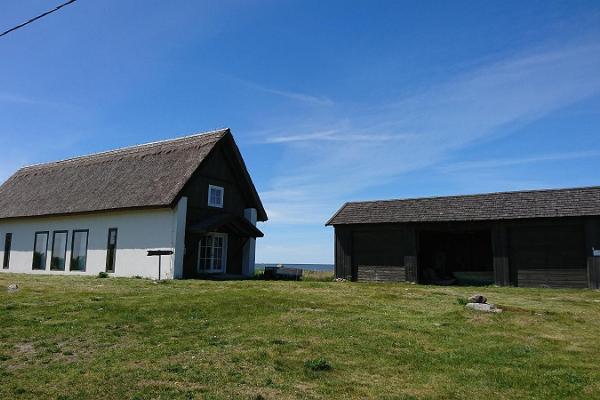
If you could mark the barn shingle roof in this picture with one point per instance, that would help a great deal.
(573, 202)
(148, 175)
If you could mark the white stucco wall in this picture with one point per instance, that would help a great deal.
(138, 232)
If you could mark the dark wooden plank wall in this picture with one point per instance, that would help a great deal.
(552, 251)
(380, 273)
(218, 169)
(380, 254)
(553, 278)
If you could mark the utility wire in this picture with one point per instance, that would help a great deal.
(38, 17)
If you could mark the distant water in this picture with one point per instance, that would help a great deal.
(308, 267)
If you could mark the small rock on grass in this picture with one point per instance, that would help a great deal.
(484, 307)
(13, 287)
(478, 298)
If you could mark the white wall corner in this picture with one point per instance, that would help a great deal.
(248, 261)
(179, 225)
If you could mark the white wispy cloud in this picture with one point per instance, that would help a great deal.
(302, 97)
(506, 162)
(12, 98)
(288, 94)
(336, 136)
(19, 99)
(329, 167)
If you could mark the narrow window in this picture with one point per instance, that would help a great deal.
(59, 250)
(79, 250)
(215, 196)
(40, 248)
(7, 246)
(111, 250)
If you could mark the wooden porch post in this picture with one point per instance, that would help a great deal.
(410, 256)
(500, 255)
(592, 242)
(343, 253)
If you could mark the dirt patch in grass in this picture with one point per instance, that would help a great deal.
(25, 348)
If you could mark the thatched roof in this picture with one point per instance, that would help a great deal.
(575, 202)
(144, 176)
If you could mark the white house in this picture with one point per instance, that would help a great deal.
(191, 196)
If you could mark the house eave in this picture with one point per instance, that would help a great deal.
(89, 212)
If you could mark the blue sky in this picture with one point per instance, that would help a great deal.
(329, 101)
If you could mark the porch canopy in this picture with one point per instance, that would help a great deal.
(226, 223)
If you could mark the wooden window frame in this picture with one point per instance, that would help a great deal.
(222, 189)
(35, 236)
(114, 255)
(7, 249)
(52, 252)
(87, 240)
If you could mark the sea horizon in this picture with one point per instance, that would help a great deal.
(306, 266)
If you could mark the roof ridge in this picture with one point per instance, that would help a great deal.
(124, 149)
(473, 195)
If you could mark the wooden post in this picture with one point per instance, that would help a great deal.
(592, 242)
(343, 253)
(410, 255)
(159, 264)
(500, 255)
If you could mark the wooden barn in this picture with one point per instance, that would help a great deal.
(542, 238)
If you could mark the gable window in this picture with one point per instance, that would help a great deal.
(40, 248)
(79, 250)
(212, 253)
(215, 196)
(59, 250)
(111, 250)
(7, 246)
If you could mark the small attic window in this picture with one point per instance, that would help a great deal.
(215, 196)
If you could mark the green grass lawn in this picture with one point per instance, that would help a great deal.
(91, 338)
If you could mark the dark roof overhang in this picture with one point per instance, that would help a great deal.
(227, 223)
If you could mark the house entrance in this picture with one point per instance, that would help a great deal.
(212, 253)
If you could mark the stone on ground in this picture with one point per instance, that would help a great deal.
(484, 307)
(478, 298)
(12, 287)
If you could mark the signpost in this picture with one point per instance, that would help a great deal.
(159, 253)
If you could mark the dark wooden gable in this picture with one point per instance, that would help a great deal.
(222, 167)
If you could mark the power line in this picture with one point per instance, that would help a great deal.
(38, 17)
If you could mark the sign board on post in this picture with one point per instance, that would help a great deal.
(596, 252)
(159, 253)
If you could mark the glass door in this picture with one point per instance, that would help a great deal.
(212, 253)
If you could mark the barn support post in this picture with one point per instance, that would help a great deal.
(343, 253)
(592, 244)
(410, 257)
(500, 255)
